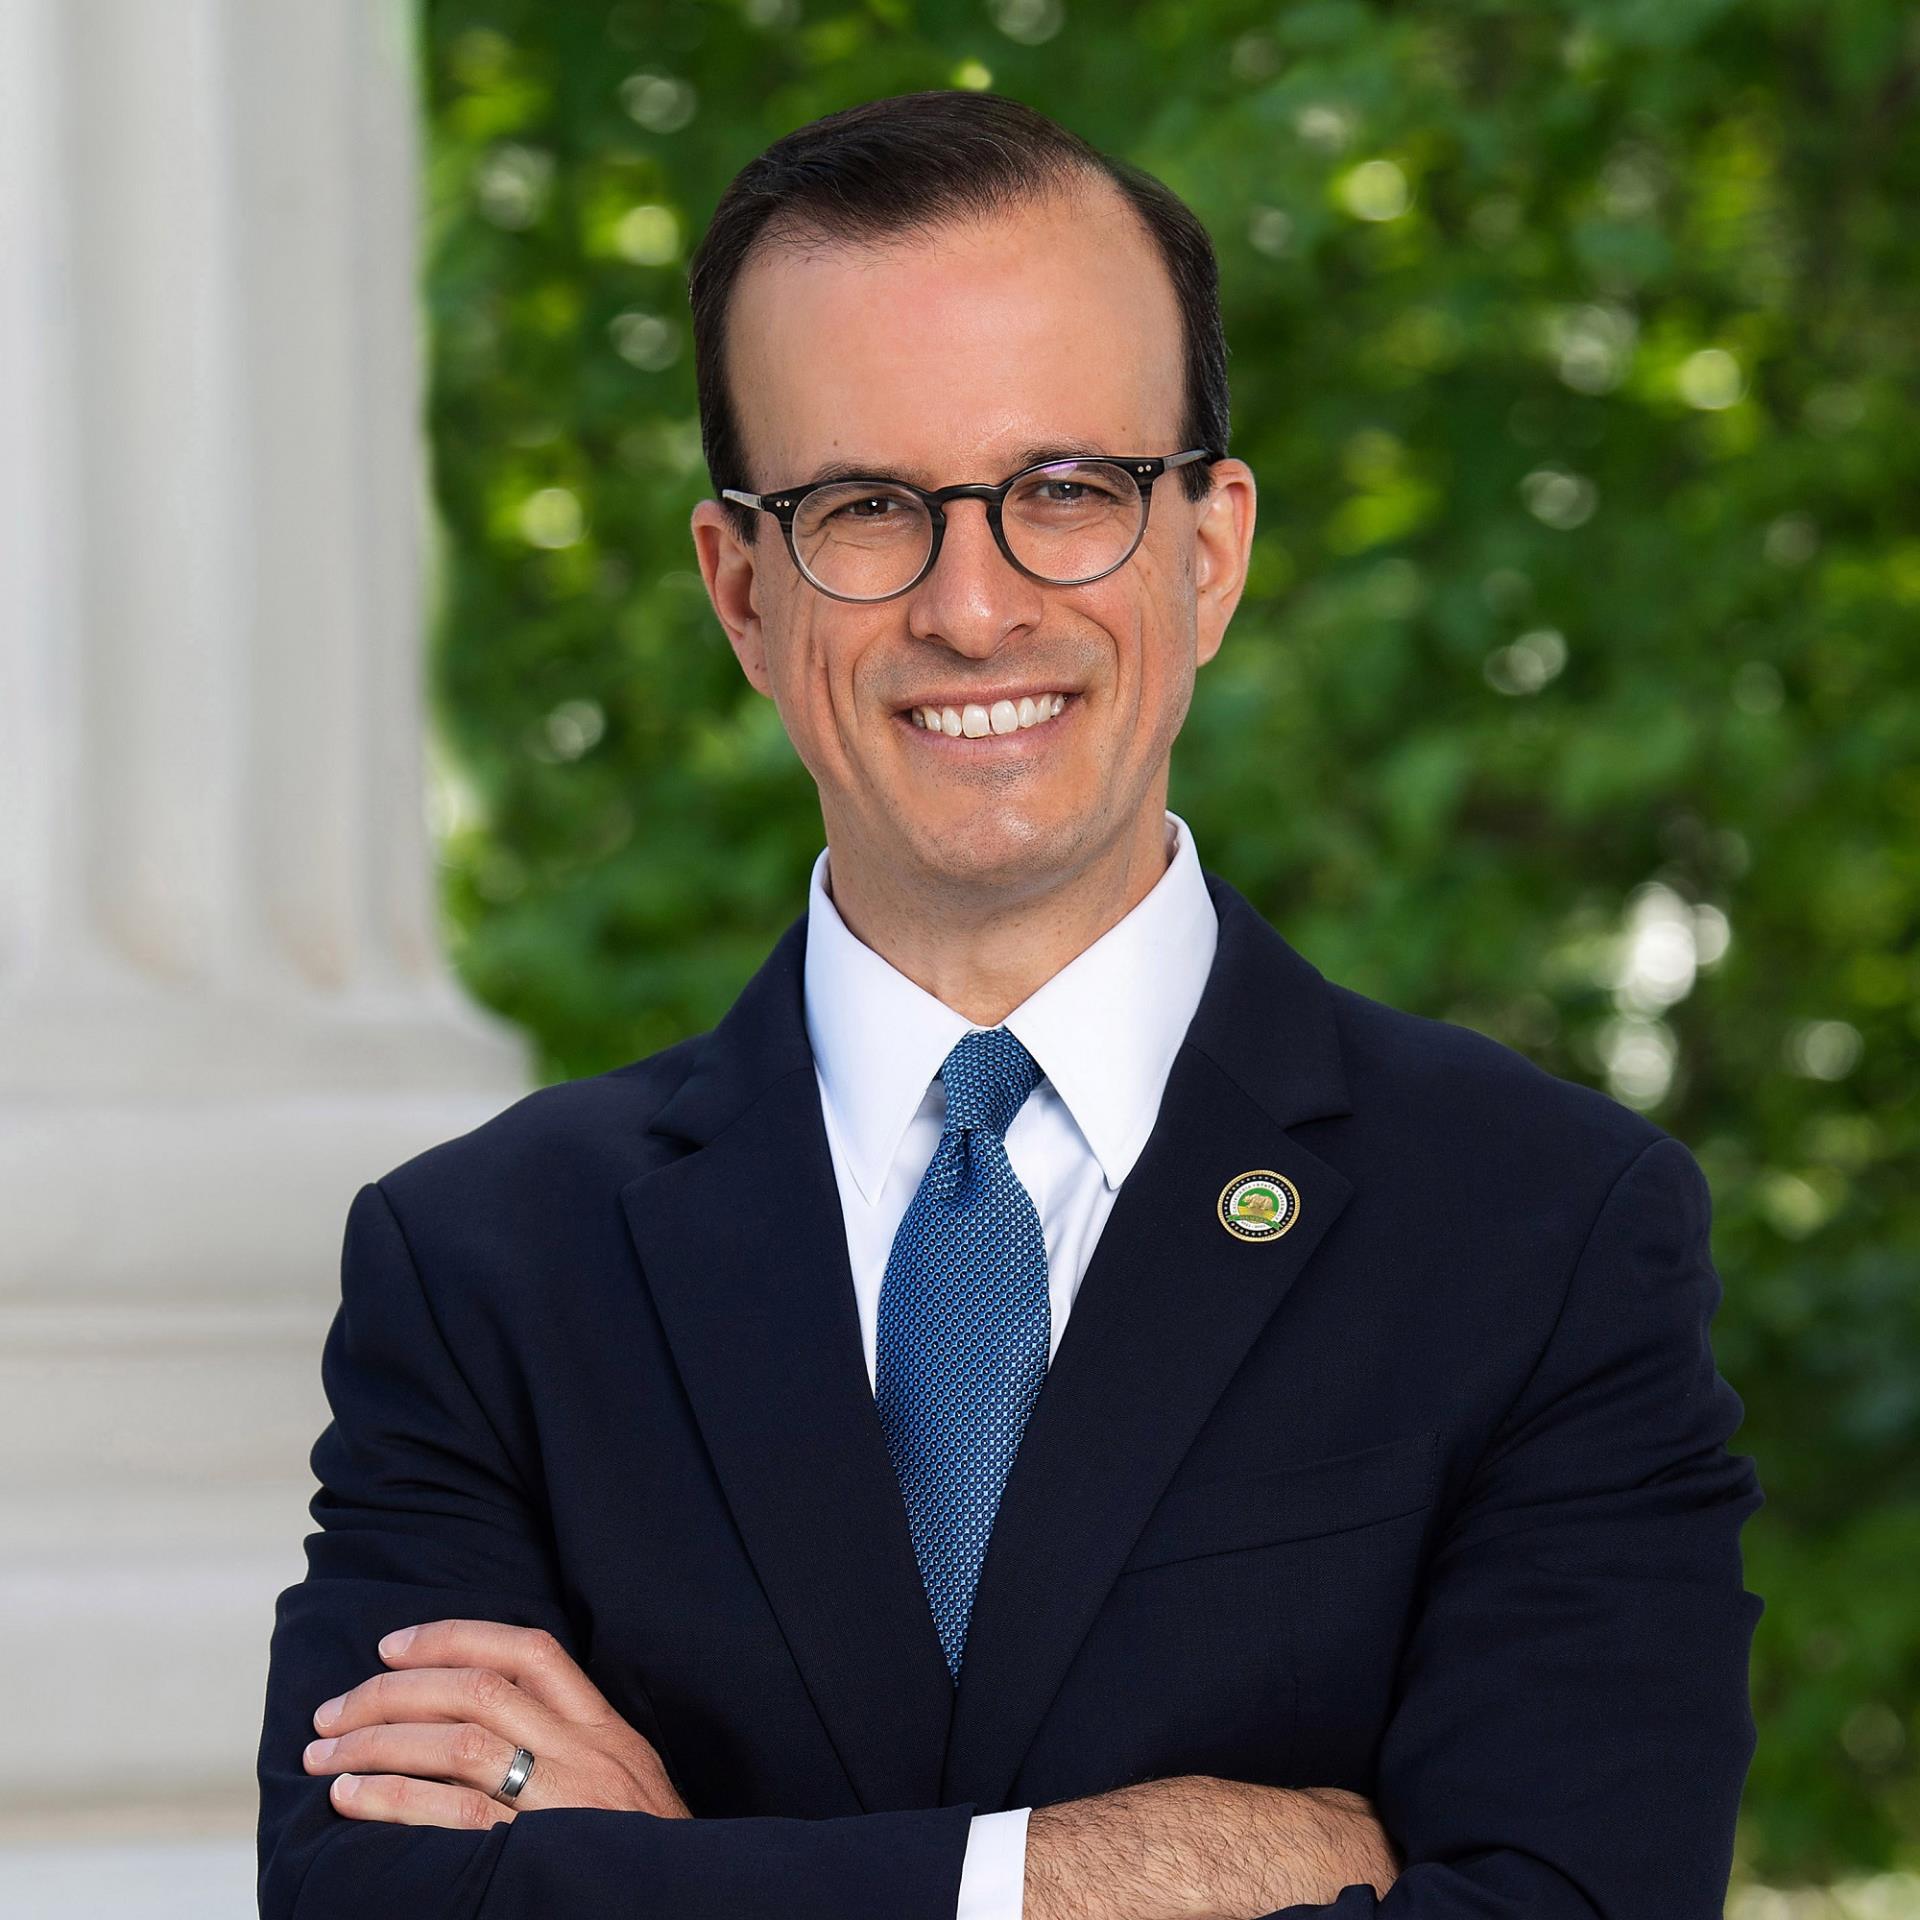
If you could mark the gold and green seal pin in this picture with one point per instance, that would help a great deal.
(1260, 1205)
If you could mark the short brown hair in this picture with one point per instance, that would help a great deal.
(906, 164)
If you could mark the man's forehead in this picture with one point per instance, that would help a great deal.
(1005, 345)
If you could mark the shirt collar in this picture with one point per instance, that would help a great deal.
(1104, 1030)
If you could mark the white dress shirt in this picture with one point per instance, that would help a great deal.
(1104, 1031)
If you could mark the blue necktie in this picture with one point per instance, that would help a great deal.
(964, 1326)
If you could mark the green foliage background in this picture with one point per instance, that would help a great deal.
(1574, 347)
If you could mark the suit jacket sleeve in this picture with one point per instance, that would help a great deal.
(1571, 1728)
(422, 1517)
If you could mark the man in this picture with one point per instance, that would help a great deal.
(1288, 1473)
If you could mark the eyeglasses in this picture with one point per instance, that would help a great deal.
(1061, 522)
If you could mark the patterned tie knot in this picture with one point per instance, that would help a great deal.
(987, 1077)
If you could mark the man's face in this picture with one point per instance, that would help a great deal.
(945, 361)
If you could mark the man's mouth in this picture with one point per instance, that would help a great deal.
(978, 720)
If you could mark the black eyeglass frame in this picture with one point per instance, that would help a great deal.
(1144, 469)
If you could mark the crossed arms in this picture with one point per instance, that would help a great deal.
(426, 1741)
(1570, 1730)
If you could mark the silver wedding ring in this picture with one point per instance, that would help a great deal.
(516, 1775)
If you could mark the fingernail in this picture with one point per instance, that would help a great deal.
(319, 1749)
(346, 1785)
(397, 1641)
(329, 1710)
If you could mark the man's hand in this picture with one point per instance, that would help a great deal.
(1197, 1848)
(428, 1743)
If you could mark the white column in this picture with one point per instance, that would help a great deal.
(222, 1001)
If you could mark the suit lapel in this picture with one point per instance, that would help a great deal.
(744, 1248)
(745, 1251)
(1166, 1311)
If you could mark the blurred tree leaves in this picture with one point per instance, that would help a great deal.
(1576, 348)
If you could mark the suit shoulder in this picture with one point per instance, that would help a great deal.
(1455, 1081)
(569, 1135)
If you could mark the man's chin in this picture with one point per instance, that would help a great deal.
(1002, 848)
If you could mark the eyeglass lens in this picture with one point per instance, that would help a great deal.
(1067, 522)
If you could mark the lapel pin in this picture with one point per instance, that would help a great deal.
(1260, 1205)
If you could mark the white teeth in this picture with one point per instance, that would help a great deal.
(974, 720)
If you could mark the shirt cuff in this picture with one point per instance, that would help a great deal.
(993, 1879)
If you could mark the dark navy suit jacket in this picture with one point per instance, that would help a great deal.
(1428, 1497)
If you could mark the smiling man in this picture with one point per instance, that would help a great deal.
(1052, 1408)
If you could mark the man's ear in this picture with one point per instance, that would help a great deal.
(1222, 545)
(730, 569)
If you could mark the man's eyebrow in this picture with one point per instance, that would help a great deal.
(880, 470)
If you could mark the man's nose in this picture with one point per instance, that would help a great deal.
(974, 594)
